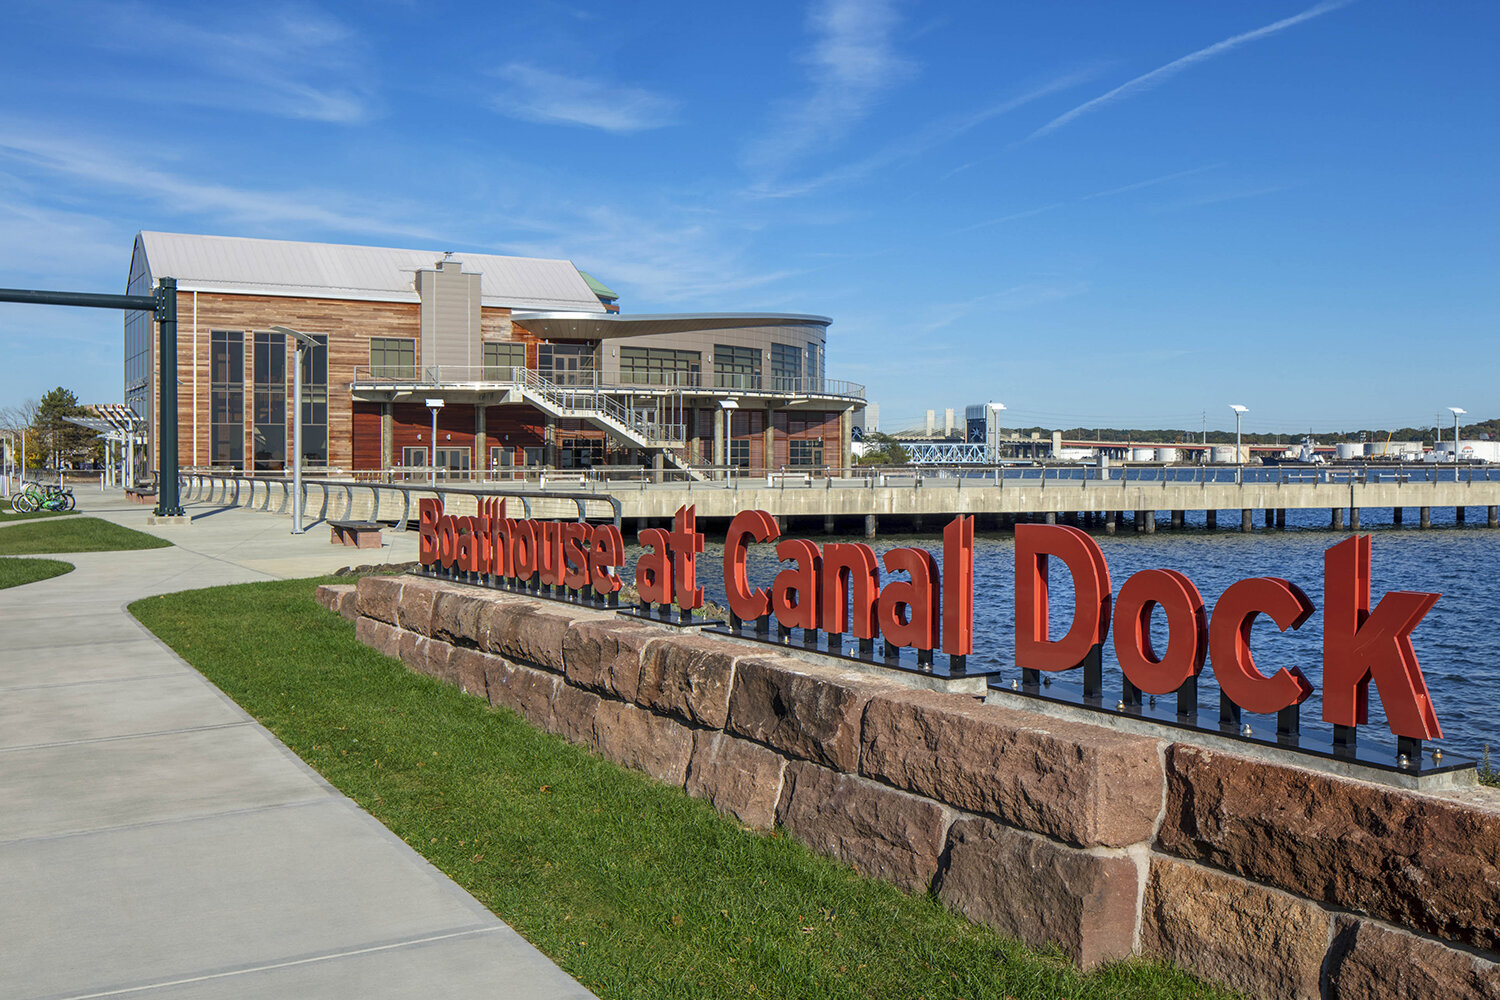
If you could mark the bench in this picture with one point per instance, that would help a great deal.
(140, 494)
(360, 534)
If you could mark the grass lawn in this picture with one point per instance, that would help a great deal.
(77, 534)
(14, 572)
(632, 887)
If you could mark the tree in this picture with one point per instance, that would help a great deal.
(884, 450)
(63, 441)
(18, 420)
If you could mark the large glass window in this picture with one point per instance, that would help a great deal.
(566, 364)
(502, 360)
(739, 454)
(805, 452)
(736, 367)
(814, 363)
(393, 357)
(786, 367)
(270, 401)
(227, 397)
(315, 402)
(659, 366)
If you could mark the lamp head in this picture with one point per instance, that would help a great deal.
(434, 404)
(1237, 408)
(303, 339)
(1457, 411)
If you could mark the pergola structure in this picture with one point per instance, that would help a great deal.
(119, 425)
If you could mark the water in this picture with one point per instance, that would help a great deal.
(1457, 644)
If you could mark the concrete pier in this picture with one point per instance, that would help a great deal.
(1396, 513)
(1494, 516)
(1336, 519)
(1353, 518)
(1051, 517)
(870, 525)
(1426, 517)
(1211, 519)
(1247, 520)
(1109, 522)
(1281, 517)
(1458, 514)
(827, 524)
(1270, 517)
(1179, 518)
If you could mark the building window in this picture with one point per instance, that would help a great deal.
(736, 367)
(786, 367)
(502, 360)
(453, 461)
(580, 453)
(805, 452)
(393, 357)
(226, 364)
(739, 454)
(659, 366)
(315, 402)
(566, 364)
(414, 457)
(269, 403)
(814, 364)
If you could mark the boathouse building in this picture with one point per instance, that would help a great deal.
(532, 361)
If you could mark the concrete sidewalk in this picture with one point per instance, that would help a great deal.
(156, 842)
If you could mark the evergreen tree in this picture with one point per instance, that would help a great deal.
(62, 441)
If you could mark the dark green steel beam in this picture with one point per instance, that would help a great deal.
(148, 303)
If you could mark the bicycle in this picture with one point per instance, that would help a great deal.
(38, 497)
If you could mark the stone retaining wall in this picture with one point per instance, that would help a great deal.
(1278, 880)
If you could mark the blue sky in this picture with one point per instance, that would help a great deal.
(1096, 213)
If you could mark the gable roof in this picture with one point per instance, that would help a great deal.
(337, 271)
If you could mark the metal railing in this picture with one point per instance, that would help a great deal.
(335, 499)
(628, 382)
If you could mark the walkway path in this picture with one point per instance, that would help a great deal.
(156, 842)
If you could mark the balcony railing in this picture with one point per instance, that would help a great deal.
(628, 382)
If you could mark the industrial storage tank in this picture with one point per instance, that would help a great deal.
(1143, 454)
(1166, 454)
(1349, 451)
(1224, 453)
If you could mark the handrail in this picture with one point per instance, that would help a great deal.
(507, 375)
(204, 485)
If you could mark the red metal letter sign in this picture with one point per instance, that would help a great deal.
(794, 593)
(466, 556)
(549, 551)
(1187, 630)
(958, 587)
(1091, 596)
(748, 526)
(1229, 643)
(523, 548)
(857, 598)
(575, 559)
(1359, 645)
(429, 512)
(606, 552)
(919, 626)
(687, 542)
(653, 570)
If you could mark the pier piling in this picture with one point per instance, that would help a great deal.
(1426, 516)
(1211, 519)
(1179, 518)
(1270, 517)
(1458, 514)
(1396, 513)
(1336, 519)
(1353, 518)
(1247, 520)
(1494, 518)
(1109, 522)
(1281, 517)
(869, 525)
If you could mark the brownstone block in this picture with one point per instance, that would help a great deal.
(573, 712)
(800, 709)
(380, 597)
(689, 677)
(605, 656)
(1263, 942)
(331, 595)
(1371, 961)
(740, 778)
(414, 611)
(1043, 892)
(413, 650)
(467, 669)
(1083, 784)
(881, 832)
(348, 605)
(379, 636)
(1421, 860)
(524, 690)
(635, 738)
(455, 616)
(526, 632)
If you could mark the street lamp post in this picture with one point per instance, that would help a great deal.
(1457, 412)
(1239, 454)
(302, 342)
(434, 405)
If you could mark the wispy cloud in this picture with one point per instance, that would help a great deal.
(1161, 74)
(1152, 182)
(853, 60)
(291, 62)
(923, 139)
(113, 168)
(540, 95)
(1011, 217)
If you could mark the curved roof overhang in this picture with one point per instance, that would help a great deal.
(608, 326)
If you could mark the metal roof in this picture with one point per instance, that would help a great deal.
(335, 271)
(600, 288)
(557, 325)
